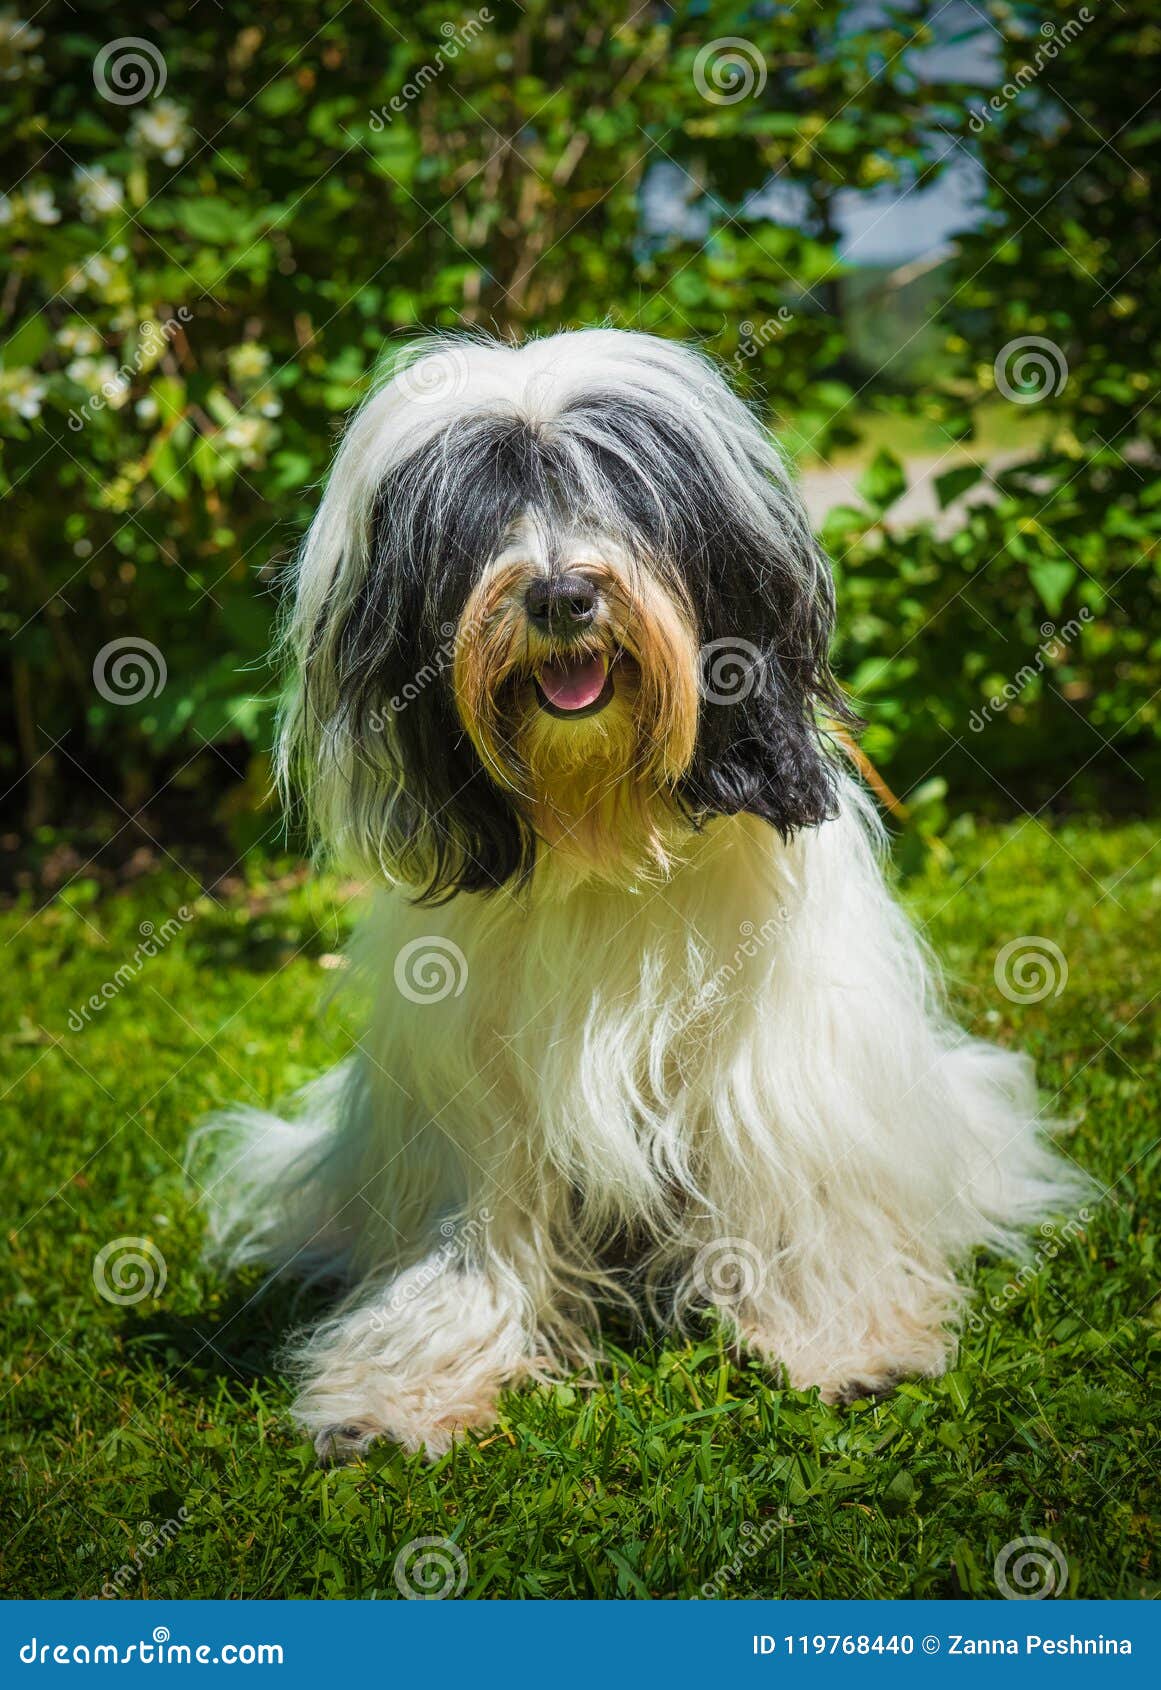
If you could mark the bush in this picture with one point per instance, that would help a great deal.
(213, 239)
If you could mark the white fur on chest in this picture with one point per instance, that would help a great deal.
(597, 1023)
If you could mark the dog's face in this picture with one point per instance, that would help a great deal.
(575, 677)
(571, 605)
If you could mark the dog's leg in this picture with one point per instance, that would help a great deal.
(285, 1192)
(418, 1360)
(852, 1339)
(859, 1147)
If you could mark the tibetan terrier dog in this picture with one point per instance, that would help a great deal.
(644, 1019)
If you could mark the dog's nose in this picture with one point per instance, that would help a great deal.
(561, 604)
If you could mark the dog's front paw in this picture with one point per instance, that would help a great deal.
(335, 1445)
(854, 1372)
(877, 1374)
(862, 1386)
(350, 1441)
(343, 1434)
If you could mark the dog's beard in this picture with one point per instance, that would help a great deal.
(588, 735)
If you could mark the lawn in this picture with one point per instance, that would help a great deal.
(148, 1452)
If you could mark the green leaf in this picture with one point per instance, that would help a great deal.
(216, 221)
(27, 345)
(900, 1494)
(949, 487)
(280, 98)
(1052, 577)
(883, 481)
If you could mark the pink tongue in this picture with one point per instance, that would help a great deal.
(572, 686)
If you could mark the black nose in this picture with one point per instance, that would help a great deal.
(561, 604)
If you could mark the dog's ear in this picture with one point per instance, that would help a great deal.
(767, 615)
(369, 736)
(390, 783)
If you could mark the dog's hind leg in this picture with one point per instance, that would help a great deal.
(286, 1192)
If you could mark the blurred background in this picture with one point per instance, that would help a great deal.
(921, 238)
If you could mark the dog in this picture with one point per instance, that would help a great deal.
(637, 983)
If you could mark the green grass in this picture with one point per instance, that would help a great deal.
(676, 1466)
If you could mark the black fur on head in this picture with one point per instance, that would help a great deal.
(629, 438)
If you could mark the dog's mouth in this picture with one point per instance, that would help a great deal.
(572, 687)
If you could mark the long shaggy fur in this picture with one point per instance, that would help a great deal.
(696, 1032)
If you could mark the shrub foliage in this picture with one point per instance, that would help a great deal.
(201, 276)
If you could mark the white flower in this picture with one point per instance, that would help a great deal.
(95, 272)
(22, 392)
(248, 362)
(242, 433)
(18, 39)
(147, 409)
(8, 209)
(83, 371)
(79, 339)
(100, 194)
(163, 127)
(101, 375)
(41, 206)
(250, 437)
